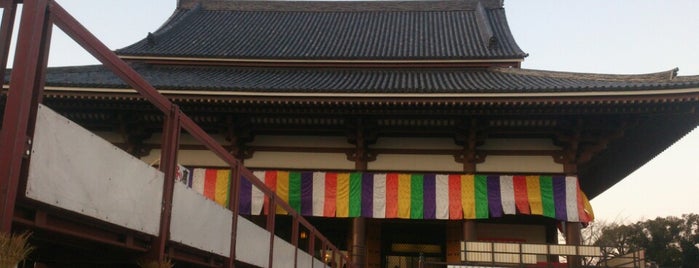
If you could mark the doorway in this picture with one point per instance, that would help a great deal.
(404, 241)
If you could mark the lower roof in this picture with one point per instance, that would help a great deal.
(369, 81)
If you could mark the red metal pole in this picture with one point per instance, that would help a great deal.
(109, 59)
(22, 100)
(168, 165)
(295, 238)
(8, 22)
(233, 203)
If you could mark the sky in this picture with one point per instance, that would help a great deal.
(594, 36)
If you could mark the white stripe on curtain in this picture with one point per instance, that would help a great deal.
(318, 193)
(507, 195)
(572, 199)
(379, 205)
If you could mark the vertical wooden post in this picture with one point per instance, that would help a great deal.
(358, 242)
(312, 242)
(573, 237)
(168, 165)
(469, 230)
(358, 235)
(24, 95)
(233, 203)
(270, 226)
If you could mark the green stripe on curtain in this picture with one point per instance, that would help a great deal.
(355, 200)
(547, 202)
(295, 191)
(481, 189)
(416, 196)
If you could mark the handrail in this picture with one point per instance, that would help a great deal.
(175, 121)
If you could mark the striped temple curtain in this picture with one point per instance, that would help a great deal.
(403, 195)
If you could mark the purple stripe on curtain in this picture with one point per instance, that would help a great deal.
(245, 197)
(494, 202)
(559, 197)
(307, 193)
(429, 201)
(189, 176)
(367, 195)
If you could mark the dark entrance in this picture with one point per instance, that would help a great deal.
(403, 241)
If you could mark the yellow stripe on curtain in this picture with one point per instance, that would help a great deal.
(343, 189)
(534, 195)
(282, 189)
(468, 196)
(223, 177)
(404, 196)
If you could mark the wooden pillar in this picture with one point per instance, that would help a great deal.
(373, 244)
(469, 230)
(453, 241)
(358, 251)
(573, 237)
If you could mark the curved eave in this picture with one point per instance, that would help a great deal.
(380, 99)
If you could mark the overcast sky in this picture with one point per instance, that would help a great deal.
(600, 36)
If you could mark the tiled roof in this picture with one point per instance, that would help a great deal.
(341, 30)
(390, 81)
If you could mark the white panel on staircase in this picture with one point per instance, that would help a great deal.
(76, 170)
(199, 222)
(283, 253)
(252, 244)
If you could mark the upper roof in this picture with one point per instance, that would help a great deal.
(333, 30)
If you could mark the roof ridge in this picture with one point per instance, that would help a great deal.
(325, 5)
(647, 77)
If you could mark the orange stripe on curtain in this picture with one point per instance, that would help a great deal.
(271, 183)
(210, 184)
(455, 206)
(330, 205)
(391, 195)
(521, 197)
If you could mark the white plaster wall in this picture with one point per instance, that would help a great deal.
(301, 141)
(531, 234)
(185, 138)
(518, 144)
(410, 162)
(416, 143)
(298, 160)
(515, 163)
(189, 158)
(112, 137)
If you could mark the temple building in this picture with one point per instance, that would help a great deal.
(398, 129)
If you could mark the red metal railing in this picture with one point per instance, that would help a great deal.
(26, 88)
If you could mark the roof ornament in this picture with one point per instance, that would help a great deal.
(484, 27)
(150, 39)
